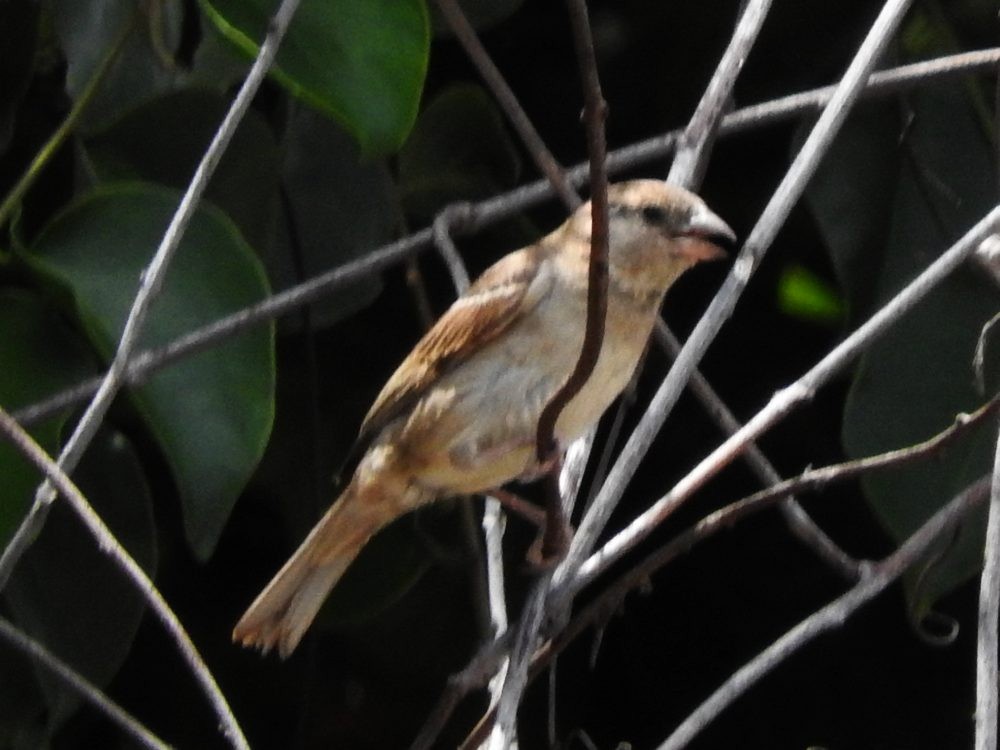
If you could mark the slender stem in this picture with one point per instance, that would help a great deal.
(595, 111)
(987, 672)
(81, 685)
(108, 544)
(62, 133)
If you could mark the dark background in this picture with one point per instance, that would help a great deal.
(369, 682)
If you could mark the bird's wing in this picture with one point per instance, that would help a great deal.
(506, 291)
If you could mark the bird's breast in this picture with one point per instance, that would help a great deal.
(476, 426)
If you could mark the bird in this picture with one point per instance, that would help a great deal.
(459, 416)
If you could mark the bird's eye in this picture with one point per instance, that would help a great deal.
(654, 215)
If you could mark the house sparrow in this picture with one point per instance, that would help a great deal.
(460, 414)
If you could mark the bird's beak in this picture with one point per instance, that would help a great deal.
(706, 235)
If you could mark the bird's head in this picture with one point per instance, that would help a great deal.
(656, 230)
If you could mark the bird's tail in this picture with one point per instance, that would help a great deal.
(283, 611)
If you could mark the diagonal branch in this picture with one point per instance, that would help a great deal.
(795, 516)
(108, 544)
(83, 687)
(694, 143)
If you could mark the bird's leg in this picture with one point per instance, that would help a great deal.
(519, 506)
(553, 543)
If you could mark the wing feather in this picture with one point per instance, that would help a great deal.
(504, 292)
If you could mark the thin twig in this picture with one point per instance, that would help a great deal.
(149, 287)
(721, 307)
(543, 158)
(786, 400)
(795, 516)
(609, 600)
(595, 110)
(832, 616)
(81, 685)
(494, 519)
(491, 211)
(694, 143)
(109, 545)
(987, 672)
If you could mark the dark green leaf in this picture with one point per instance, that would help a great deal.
(888, 201)
(40, 356)
(163, 140)
(360, 61)
(90, 29)
(459, 150)
(212, 412)
(338, 209)
(68, 594)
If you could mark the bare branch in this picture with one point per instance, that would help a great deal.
(987, 672)
(149, 287)
(81, 685)
(798, 520)
(600, 608)
(150, 283)
(109, 545)
(833, 615)
(694, 143)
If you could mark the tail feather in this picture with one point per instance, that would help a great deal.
(283, 611)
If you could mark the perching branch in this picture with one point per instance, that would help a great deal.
(553, 541)
(109, 545)
(601, 608)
